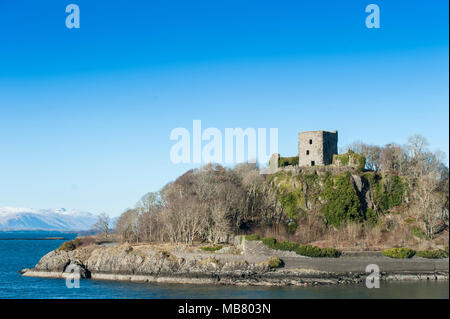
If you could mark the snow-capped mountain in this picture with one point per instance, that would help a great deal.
(16, 218)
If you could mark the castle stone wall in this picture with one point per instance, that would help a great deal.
(330, 148)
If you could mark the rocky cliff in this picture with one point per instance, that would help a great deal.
(340, 194)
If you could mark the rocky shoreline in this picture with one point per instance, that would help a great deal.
(244, 264)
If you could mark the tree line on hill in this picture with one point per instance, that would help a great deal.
(212, 203)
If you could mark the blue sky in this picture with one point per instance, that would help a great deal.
(86, 114)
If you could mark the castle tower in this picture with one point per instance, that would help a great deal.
(317, 147)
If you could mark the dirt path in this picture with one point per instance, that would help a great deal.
(359, 264)
(255, 252)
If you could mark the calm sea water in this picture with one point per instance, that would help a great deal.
(18, 254)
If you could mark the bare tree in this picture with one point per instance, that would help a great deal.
(219, 229)
(150, 202)
(393, 158)
(372, 153)
(148, 208)
(102, 224)
(417, 146)
(127, 226)
(429, 201)
(430, 183)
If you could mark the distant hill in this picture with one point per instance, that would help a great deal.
(16, 218)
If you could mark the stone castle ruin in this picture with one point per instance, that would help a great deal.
(318, 148)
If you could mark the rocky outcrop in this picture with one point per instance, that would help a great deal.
(58, 261)
(146, 263)
(149, 263)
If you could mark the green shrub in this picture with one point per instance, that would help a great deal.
(439, 253)
(211, 248)
(67, 246)
(342, 201)
(286, 245)
(290, 201)
(352, 159)
(252, 237)
(399, 252)
(361, 160)
(314, 251)
(75, 243)
(71, 245)
(286, 161)
(395, 190)
(331, 252)
(308, 250)
(388, 192)
(269, 242)
(418, 232)
(371, 217)
(274, 262)
(304, 250)
(343, 158)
